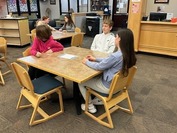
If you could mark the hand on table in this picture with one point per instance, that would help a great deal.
(38, 54)
(90, 58)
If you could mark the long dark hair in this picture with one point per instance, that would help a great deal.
(127, 47)
(70, 21)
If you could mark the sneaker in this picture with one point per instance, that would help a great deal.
(97, 101)
(91, 108)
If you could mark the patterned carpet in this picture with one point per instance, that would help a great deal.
(153, 94)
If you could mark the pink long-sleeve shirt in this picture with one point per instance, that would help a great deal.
(42, 47)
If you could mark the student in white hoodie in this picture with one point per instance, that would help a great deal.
(104, 42)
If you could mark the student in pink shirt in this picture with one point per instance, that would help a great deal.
(43, 43)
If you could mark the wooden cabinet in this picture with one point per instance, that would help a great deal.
(15, 31)
(158, 37)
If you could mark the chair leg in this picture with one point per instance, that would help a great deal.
(45, 116)
(129, 109)
(61, 101)
(19, 101)
(100, 118)
(87, 101)
(1, 79)
(129, 103)
(3, 60)
(19, 106)
(1, 74)
(8, 67)
(108, 115)
(32, 120)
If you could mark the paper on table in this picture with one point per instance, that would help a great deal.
(68, 56)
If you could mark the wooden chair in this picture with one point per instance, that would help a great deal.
(3, 51)
(118, 92)
(77, 30)
(33, 34)
(35, 92)
(27, 53)
(77, 40)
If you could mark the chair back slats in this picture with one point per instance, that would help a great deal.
(120, 82)
(22, 76)
(77, 30)
(26, 52)
(33, 34)
(77, 40)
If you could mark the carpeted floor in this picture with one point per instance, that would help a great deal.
(153, 94)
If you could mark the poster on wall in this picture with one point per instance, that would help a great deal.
(135, 7)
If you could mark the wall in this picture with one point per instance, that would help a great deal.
(169, 8)
(53, 10)
(3, 8)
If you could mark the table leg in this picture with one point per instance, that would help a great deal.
(77, 98)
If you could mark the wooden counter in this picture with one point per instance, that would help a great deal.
(158, 37)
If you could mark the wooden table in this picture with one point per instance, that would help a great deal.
(57, 35)
(70, 69)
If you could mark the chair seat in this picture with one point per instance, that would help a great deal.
(106, 95)
(45, 84)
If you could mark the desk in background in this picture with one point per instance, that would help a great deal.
(57, 35)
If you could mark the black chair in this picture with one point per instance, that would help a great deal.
(52, 23)
(31, 25)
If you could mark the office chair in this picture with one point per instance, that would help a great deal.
(118, 93)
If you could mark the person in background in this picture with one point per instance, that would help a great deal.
(121, 60)
(104, 42)
(45, 20)
(69, 24)
(43, 44)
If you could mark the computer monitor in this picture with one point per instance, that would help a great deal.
(157, 16)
